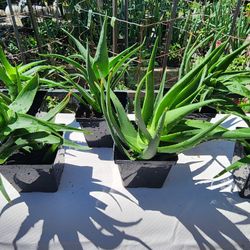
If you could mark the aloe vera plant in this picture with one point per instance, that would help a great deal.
(14, 78)
(90, 69)
(161, 124)
(20, 132)
(215, 77)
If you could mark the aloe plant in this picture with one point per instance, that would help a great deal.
(20, 132)
(161, 123)
(90, 69)
(14, 78)
(217, 79)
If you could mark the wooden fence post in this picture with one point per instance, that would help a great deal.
(35, 26)
(236, 14)
(17, 35)
(170, 33)
(115, 28)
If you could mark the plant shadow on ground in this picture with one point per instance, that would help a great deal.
(71, 211)
(197, 204)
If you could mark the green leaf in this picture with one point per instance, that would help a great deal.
(9, 68)
(138, 114)
(24, 68)
(78, 44)
(191, 142)
(58, 108)
(25, 98)
(3, 190)
(101, 60)
(176, 115)
(152, 148)
(148, 108)
(238, 164)
(170, 96)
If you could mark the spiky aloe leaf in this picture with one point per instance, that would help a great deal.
(101, 60)
(25, 98)
(191, 142)
(238, 164)
(138, 112)
(147, 108)
(78, 44)
(3, 190)
(174, 91)
(174, 116)
(58, 108)
(223, 64)
(152, 147)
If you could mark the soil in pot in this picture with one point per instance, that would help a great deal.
(29, 173)
(144, 173)
(241, 175)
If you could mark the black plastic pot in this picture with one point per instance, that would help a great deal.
(37, 102)
(27, 174)
(95, 123)
(144, 173)
(241, 175)
(206, 113)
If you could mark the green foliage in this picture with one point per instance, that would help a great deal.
(20, 132)
(92, 69)
(15, 78)
(165, 128)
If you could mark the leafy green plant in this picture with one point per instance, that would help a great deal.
(161, 123)
(20, 132)
(218, 79)
(15, 78)
(92, 69)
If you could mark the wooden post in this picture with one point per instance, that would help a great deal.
(17, 35)
(35, 26)
(115, 28)
(126, 24)
(236, 14)
(170, 33)
(126, 34)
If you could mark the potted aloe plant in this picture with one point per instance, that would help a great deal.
(218, 79)
(89, 71)
(162, 128)
(31, 153)
(14, 78)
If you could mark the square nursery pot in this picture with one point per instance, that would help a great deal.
(241, 175)
(37, 102)
(26, 173)
(96, 124)
(144, 173)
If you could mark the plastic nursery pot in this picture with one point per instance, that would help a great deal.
(37, 102)
(96, 124)
(206, 113)
(144, 173)
(27, 174)
(241, 175)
